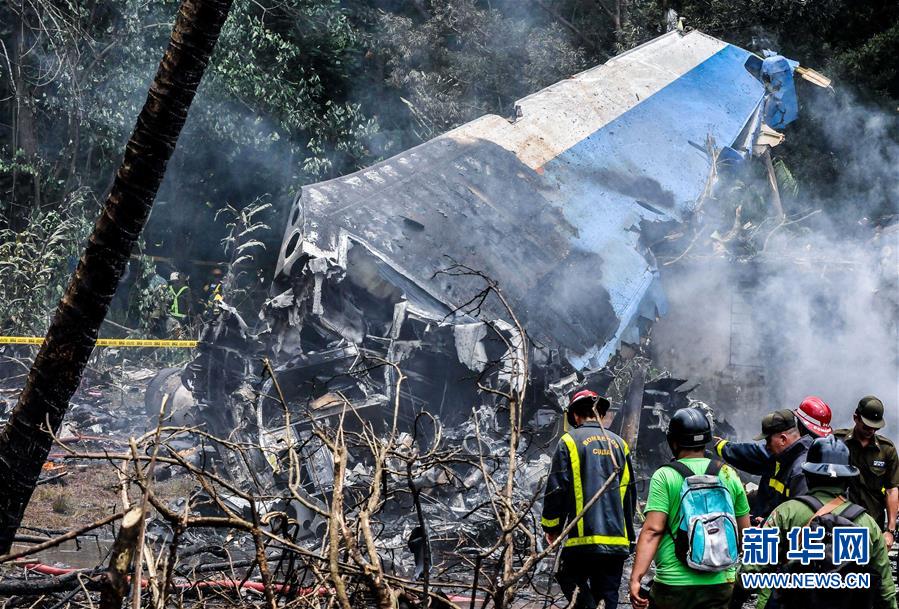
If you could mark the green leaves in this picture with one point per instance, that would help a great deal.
(785, 179)
(37, 262)
(465, 60)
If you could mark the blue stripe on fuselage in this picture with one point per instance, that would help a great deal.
(655, 152)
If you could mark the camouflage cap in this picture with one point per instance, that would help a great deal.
(776, 422)
(870, 410)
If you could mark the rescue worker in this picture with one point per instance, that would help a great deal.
(813, 417)
(157, 306)
(812, 420)
(877, 488)
(213, 290)
(181, 309)
(779, 464)
(828, 473)
(676, 585)
(594, 552)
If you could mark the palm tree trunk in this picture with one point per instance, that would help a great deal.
(56, 373)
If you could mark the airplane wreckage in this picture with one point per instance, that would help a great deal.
(379, 270)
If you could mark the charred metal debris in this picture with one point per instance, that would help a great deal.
(386, 294)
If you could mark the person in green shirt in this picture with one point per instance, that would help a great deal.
(676, 585)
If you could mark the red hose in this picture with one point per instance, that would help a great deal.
(46, 569)
(209, 583)
(217, 583)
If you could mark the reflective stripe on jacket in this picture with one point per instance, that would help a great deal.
(175, 311)
(582, 463)
(781, 475)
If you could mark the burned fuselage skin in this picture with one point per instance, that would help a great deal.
(554, 206)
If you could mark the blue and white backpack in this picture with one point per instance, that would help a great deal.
(706, 535)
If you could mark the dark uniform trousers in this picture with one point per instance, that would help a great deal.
(596, 548)
(596, 578)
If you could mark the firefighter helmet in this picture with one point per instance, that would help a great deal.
(597, 402)
(814, 414)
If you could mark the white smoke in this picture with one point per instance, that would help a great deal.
(816, 312)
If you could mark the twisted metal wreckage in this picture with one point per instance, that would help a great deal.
(558, 205)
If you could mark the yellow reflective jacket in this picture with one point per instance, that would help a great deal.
(584, 459)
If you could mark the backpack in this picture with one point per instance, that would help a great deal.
(706, 535)
(830, 597)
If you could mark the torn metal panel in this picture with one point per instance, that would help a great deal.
(469, 347)
(633, 407)
(552, 205)
(781, 103)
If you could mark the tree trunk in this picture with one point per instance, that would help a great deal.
(56, 373)
(124, 552)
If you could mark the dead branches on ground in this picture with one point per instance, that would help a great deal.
(388, 510)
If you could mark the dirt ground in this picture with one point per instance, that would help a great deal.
(87, 492)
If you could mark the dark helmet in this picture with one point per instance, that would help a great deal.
(689, 428)
(829, 457)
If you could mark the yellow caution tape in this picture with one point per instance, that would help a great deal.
(107, 342)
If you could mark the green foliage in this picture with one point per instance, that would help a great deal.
(785, 179)
(290, 63)
(464, 60)
(273, 112)
(37, 262)
(874, 62)
(149, 300)
(241, 247)
(752, 196)
(19, 162)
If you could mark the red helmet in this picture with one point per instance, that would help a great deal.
(814, 414)
(600, 403)
(583, 394)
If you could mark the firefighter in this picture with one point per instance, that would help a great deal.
(877, 488)
(813, 418)
(594, 552)
(677, 585)
(828, 474)
(779, 464)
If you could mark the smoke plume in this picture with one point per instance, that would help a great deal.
(814, 310)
